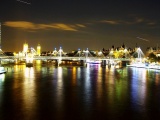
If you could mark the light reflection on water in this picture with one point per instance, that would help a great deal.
(29, 92)
(2, 78)
(59, 95)
(92, 92)
(138, 88)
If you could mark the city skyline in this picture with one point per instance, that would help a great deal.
(79, 24)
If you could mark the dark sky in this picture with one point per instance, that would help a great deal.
(73, 24)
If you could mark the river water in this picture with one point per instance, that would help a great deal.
(46, 92)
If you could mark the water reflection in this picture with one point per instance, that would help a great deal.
(87, 85)
(29, 91)
(138, 88)
(78, 73)
(2, 78)
(91, 92)
(157, 77)
(58, 74)
(74, 76)
(100, 79)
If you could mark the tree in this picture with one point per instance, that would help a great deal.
(153, 57)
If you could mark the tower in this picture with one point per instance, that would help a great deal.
(38, 50)
(25, 48)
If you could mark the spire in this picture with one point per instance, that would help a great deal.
(123, 45)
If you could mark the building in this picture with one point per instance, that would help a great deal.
(38, 50)
(25, 48)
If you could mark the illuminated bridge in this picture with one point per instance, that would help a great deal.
(59, 60)
(81, 57)
(62, 58)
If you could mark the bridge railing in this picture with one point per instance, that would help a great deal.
(64, 58)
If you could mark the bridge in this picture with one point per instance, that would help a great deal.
(63, 58)
(59, 60)
(81, 56)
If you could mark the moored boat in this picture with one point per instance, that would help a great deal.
(2, 70)
(154, 66)
(138, 65)
(94, 62)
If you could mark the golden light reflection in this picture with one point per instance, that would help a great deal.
(59, 85)
(60, 71)
(100, 83)
(74, 75)
(38, 66)
(99, 77)
(38, 62)
(29, 92)
(112, 75)
(29, 73)
(17, 67)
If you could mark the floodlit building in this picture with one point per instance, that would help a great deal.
(38, 50)
(25, 48)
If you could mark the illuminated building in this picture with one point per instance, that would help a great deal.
(25, 48)
(38, 50)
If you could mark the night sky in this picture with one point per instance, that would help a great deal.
(73, 24)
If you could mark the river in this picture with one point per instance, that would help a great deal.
(46, 92)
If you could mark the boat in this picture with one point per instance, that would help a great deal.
(29, 60)
(138, 65)
(145, 65)
(154, 66)
(29, 64)
(2, 70)
(93, 61)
